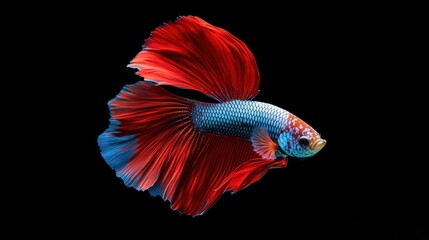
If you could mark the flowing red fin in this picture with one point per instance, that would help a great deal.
(190, 53)
(244, 175)
(219, 157)
(224, 163)
(263, 144)
(150, 138)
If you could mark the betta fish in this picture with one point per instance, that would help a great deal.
(190, 152)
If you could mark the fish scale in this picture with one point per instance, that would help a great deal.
(239, 118)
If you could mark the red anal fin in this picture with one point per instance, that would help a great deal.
(263, 144)
(190, 53)
(224, 163)
(219, 157)
(246, 174)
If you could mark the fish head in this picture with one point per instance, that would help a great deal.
(300, 140)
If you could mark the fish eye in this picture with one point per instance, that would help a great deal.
(304, 142)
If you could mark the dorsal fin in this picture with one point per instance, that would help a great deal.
(192, 54)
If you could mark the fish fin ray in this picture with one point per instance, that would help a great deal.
(218, 156)
(244, 175)
(193, 54)
(263, 144)
(148, 124)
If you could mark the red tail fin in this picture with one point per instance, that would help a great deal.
(150, 138)
(190, 53)
(153, 145)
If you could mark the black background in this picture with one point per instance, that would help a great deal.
(333, 66)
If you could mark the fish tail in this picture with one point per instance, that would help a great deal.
(150, 134)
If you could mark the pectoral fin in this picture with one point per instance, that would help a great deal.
(263, 144)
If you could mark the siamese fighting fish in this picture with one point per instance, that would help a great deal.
(190, 152)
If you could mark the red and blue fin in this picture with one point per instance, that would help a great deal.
(192, 54)
(150, 133)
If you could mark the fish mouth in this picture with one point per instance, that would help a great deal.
(318, 144)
